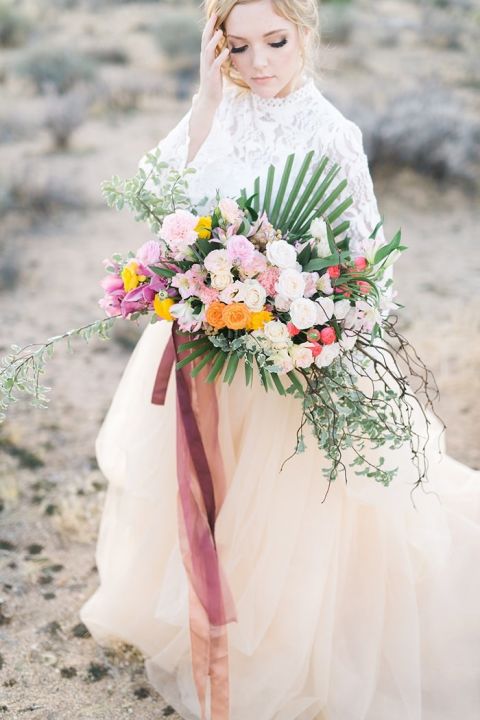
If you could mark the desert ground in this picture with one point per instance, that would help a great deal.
(407, 72)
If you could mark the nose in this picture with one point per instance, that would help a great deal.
(259, 62)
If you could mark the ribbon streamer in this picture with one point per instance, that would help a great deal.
(202, 489)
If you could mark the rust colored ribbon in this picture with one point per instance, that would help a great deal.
(202, 488)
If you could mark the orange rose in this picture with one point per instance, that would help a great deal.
(214, 314)
(236, 316)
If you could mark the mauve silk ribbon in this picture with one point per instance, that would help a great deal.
(202, 488)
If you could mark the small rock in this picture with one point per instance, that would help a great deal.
(68, 672)
(4, 619)
(3, 708)
(51, 509)
(45, 579)
(168, 711)
(81, 631)
(55, 568)
(49, 595)
(10, 682)
(141, 693)
(52, 628)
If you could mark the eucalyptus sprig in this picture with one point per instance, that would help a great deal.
(22, 367)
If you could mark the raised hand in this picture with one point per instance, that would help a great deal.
(211, 81)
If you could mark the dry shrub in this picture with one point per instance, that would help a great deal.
(14, 25)
(65, 113)
(56, 69)
(29, 192)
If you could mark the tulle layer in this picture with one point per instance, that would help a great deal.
(359, 607)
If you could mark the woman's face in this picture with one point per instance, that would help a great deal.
(264, 47)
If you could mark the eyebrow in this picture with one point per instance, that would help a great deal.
(272, 32)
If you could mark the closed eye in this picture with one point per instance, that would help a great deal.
(241, 49)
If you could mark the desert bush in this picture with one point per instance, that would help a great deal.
(25, 191)
(15, 126)
(178, 36)
(56, 69)
(9, 268)
(429, 130)
(14, 25)
(109, 55)
(65, 113)
(337, 21)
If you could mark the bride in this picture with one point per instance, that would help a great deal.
(362, 607)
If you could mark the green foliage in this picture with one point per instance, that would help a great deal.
(58, 69)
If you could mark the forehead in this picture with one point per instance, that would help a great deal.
(254, 19)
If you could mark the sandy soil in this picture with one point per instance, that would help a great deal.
(51, 491)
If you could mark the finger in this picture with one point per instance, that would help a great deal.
(220, 59)
(207, 30)
(212, 44)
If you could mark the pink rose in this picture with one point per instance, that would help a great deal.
(268, 278)
(240, 250)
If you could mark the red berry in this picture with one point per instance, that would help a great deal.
(360, 262)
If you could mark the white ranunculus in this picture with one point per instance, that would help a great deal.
(325, 309)
(277, 333)
(324, 284)
(232, 293)
(328, 355)
(282, 359)
(217, 261)
(253, 295)
(222, 279)
(301, 355)
(341, 309)
(282, 304)
(323, 248)
(303, 313)
(281, 254)
(290, 284)
(230, 210)
(318, 229)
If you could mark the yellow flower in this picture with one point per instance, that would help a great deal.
(204, 227)
(162, 307)
(258, 319)
(130, 278)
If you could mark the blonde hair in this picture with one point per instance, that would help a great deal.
(302, 13)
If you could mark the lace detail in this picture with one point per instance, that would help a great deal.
(250, 132)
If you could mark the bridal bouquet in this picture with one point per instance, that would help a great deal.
(272, 288)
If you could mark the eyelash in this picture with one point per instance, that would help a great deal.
(279, 44)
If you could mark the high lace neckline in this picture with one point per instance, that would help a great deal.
(299, 94)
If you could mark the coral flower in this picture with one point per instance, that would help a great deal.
(328, 336)
(162, 307)
(204, 227)
(258, 319)
(292, 329)
(236, 316)
(214, 314)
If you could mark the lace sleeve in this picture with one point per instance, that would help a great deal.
(346, 148)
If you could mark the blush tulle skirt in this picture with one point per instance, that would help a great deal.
(359, 607)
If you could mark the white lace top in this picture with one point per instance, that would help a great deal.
(249, 133)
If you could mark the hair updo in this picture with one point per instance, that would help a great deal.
(302, 13)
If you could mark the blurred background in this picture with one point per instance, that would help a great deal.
(86, 88)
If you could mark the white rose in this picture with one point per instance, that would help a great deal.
(290, 284)
(217, 261)
(282, 304)
(318, 229)
(281, 254)
(303, 313)
(328, 355)
(254, 295)
(221, 280)
(348, 340)
(282, 360)
(277, 333)
(301, 355)
(325, 309)
(341, 309)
